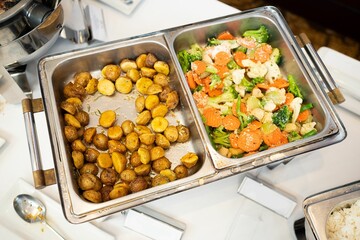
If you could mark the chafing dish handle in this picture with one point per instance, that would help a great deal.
(334, 93)
(38, 173)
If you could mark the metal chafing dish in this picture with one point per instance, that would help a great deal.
(56, 70)
(318, 207)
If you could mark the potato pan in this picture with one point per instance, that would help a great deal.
(329, 127)
(56, 71)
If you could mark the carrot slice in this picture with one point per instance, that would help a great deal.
(288, 98)
(221, 58)
(243, 107)
(230, 122)
(249, 140)
(275, 138)
(280, 83)
(234, 140)
(303, 115)
(254, 125)
(212, 117)
(197, 79)
(264, 86)
(262, 53)
(198, 67)
(222, 70)
(201, 99)
(215, 92)
(238, 57)
(225, 36)
(190, 80)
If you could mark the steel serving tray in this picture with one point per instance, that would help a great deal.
(56, 70)
(318, 207)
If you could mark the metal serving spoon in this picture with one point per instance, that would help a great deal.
(31, 210)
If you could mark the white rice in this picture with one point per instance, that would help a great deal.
(344, 223)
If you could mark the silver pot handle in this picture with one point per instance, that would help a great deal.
(41, 177)
(334, 93)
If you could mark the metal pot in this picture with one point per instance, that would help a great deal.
(27, 30)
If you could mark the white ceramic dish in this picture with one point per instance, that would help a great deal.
(13, 227)
(346, 72)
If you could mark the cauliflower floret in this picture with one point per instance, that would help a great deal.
(207, 59)
(295, 105)
(291, 127)
(307, 127)
(241, 90)
(254, 70)
(269, 106)
(256, 92)
(238, 75)
(267, 117)
(258, 113)
(273, 71)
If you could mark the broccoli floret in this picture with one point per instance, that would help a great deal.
(293, 87)
(293, 136)
(276, 56)
(232, 65)
(282, 117)
(258, 80)
(241, 49)
(310, 133)
(213, 41)
(260, 35)
(215, 80)
(247, 84)
(187, 56)
(220, 137)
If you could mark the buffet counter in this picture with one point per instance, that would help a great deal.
(212, 211)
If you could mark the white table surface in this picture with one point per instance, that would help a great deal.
(212, 211)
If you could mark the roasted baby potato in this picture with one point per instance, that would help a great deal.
(127, 64)
(151, 101)
(89, 135)
(135, 159)
(109, 176)
(143, 170)
(159, 110)
(107, 118)
(115, 132)
(138, 184)
(91, 155)
(89, 168)
(189, 160)
(170, 174)
(132, 141)
(123, 85)
(144, 155)
(140, 103)
(111, 72)
(147, 138)
(82, 78)
(74, 90)
(143, 84)
(104, 160)
(92, 196)
(181, 171)
(171, 133)
(162, 141)
(127, 126)
(78, 145)
(87, 181)
(133, 74)
(78, 159)
(150, 60)
(105, 191)
(159, 124)
(116, 146)
(100, 141)
(184, 133)
(172, 100)
(106, 87)
(140, 60)
(91, 87)
(159, 180)
(143, 118)
(71, 133)
(154, 89)
(82, 117)
(161, 79)
(156, 153)
(70, 120)
(161, 164)
(162, 67)
(118, 192)
(128, 175)
(69, 107)
(119, 161)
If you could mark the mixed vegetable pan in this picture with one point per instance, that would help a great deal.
(246, 102)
